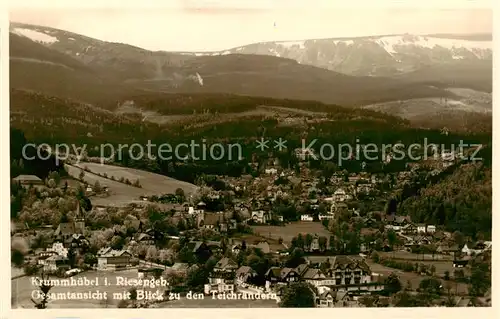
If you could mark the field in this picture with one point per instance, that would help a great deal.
(251, 239)
(122, 194)
(415, 279)
(291, 230)
(404, 255)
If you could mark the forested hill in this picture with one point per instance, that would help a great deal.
(459, 201)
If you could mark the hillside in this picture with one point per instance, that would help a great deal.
(469, 111)
(105, 70)
(38, 68)
(461, 200)
(49, 119)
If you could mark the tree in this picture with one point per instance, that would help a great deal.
(431, 286)
(446, 275)
(432, 269)
(179, 192)
(408, 285)
(55, 176)
(133, 293)
(392, 284)
(97, 187)
(51, 183)
(480, 280)
(44, 288)
(17, 258)
(298, 295)
(296, 258)
(322, 242)
(458, 238)
(71, 257)
(81, 175)
(308, 241)
(392, 238)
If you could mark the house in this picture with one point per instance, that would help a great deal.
(314, 244)
(402, 221)
(327, 216)
(461, 301)
(447, 155)
(79, 242)
(346, 270)
(306, 218)
(470, 249)
(314, 276)
(340, 195)
(448, 250)
(223, 277)
(215, 221)
(44, 255)
(421, 228)
(326, 299)
(111, 259)
(145, 239)
(410, 229)
(431, 229)
(28, 180)
(280, 276)
(260, 217)
(235, 249)
(181, 268)
(304, 153)
(461, 262)
(271, 171)
(200, 250)
(59, 249)
(263, 246)
(345, 300)
(302, 269)
(65, 230)
(244, 275)
(55, 263)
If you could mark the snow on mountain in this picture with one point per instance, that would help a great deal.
(392, 43)
(35, 36)
(372, 56)
(290, 44)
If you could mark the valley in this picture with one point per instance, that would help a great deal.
(194, 168)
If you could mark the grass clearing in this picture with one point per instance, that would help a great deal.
(291, 230)
(122, 194)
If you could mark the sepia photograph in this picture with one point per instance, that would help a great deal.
(223, 156)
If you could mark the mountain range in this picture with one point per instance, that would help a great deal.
(354, 72)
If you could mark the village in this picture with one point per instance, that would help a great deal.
(250, 236)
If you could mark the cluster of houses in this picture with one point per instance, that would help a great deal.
(338, 283)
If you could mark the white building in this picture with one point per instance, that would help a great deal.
(340, 195)
(306, 218)
(59, 249)
(271, 171)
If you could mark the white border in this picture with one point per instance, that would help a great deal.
(208, 313)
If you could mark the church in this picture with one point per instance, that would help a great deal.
(66, 231)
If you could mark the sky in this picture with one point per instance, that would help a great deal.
(213, 27)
